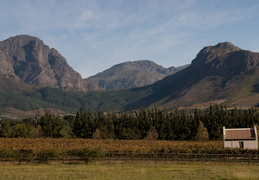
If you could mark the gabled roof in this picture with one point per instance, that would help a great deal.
(240, 134)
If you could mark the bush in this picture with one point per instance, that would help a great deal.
(46, 155)
(87, 154)
(24, 154)
(7, 154)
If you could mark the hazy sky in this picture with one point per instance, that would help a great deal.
(94, 35)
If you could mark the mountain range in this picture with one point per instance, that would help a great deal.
(131, 74)
(34, 77)
(29, 60)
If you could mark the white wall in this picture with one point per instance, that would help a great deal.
(247, 144)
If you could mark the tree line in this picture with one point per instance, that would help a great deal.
(196, 124)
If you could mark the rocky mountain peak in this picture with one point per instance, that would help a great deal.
(227, 46)
(209, 53)
(21, 40)
(225, 59)
(28, 59)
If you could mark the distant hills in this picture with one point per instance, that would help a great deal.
(35, 79)
(131, 74)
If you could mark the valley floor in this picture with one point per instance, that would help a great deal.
(129, 171)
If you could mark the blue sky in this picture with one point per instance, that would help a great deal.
(94, 35)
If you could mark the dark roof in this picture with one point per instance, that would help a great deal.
(240, 134)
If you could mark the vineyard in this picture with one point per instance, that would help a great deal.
(43, 150)
(139, 146)
(105, 146)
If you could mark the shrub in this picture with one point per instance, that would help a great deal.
(46, 155)
(87, 154)
(24, 154)
(7, 154)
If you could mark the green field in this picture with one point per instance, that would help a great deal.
(129, 171)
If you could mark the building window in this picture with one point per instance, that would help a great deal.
(241, 145)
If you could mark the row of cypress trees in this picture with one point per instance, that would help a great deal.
(196, 124)
(168, 125)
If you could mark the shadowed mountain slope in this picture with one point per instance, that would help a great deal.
(222, 72)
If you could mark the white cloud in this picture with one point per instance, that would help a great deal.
(213, 19)
(82, 20)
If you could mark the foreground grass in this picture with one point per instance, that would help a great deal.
(129, 171)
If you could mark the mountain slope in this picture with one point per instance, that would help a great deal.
(29, 60)
(131, 74)
(16, 95)
(222, 72)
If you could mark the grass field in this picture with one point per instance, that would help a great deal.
(128, 171)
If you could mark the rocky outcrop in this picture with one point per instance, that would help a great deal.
(207, 54)
(225, 59)
(131, 74)
(28, 59)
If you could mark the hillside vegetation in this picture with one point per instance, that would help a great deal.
(26, 97)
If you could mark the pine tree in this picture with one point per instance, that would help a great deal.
(97, 134)
(37, 132)
(5, 129)
(84, 124)
(202, 134)
(152, 134)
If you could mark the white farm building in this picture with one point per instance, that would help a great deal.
(245, 138)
